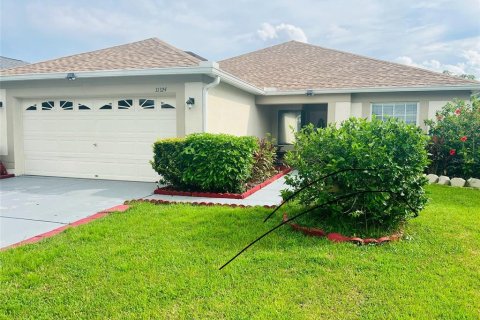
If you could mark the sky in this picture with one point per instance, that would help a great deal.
(437, 34)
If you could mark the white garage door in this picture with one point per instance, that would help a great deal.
(96, 138)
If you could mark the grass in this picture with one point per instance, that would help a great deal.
(162, 262)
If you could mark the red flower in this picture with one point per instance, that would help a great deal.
(463, 139)
(452, 152)
(458, 111)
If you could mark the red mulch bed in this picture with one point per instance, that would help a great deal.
(337, 237)
(169, 191)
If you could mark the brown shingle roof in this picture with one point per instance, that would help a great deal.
(295, 66)
(149, 53)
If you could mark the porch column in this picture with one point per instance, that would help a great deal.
(343, 111)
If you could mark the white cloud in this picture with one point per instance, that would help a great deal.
(473, 58)
(267, 32)
(469, 65)
(281, 31)
(426, 31)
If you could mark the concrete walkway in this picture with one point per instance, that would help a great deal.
(270, 195)
(32, 205)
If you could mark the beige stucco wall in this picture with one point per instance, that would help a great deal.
(16, 92)
(193, 114)
(429, 102)
(3, 123)
(233, 111)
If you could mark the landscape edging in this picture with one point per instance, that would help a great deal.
(199, 194)
(338, 237)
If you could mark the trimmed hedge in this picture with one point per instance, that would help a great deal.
(206, 162)
(167, 160)
(218, 162)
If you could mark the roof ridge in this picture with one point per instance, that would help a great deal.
(259, 50)
(446, 76)
(193, 59)
(386, 61)
(78, 54)
(177, 50)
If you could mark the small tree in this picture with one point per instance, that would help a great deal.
(455, 139)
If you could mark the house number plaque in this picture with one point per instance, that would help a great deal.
(161, 89)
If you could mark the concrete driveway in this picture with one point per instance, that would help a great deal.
(32, 205)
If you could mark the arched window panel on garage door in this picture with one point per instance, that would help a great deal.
(107, 106)
(47, 105)
(146, 104)
(84, 105)
(125, 104)
(66, 105)
(167, 103)
(31, 107)
(102, 105)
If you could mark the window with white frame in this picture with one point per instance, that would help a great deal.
(406, 111)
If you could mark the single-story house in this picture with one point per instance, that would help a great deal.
(96, 114)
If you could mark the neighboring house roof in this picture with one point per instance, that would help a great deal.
(7, 63)
(146, 54)
(296, 66)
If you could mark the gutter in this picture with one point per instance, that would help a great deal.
(212, 84)
(274, 92)
(212, 69)
(109, 73)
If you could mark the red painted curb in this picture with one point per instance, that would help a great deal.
(338, 237)
(169, 192)
(51, 233)
(119, 208)
(6, 176)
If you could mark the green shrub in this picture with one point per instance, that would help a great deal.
(167, 160)
(218, 162)
(392, 150)
(454, 147)
(264, 160)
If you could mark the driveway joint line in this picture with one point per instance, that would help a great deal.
(38, 220)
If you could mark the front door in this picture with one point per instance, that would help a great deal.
(315, 114)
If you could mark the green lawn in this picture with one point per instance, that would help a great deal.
(162, 262)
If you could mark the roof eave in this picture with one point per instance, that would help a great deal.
(469, 87)
(211, 69)
(207, 69)
(109, 73)
(237, 82)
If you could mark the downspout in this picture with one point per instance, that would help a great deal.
(212, 84)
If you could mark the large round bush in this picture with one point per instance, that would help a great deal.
(392, 151)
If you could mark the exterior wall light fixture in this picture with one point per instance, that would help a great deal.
(71, 76)
(190, 102)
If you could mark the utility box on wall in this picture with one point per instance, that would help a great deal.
(3, 123)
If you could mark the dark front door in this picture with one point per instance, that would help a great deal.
(315, 114)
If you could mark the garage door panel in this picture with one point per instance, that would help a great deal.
(103, 144)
